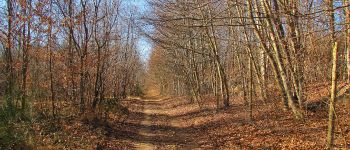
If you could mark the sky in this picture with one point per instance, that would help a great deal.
(144, 45)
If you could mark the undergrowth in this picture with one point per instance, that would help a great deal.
(14, 128)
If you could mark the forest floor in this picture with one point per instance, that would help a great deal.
(176, 123)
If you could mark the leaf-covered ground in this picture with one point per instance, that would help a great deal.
(178, 123)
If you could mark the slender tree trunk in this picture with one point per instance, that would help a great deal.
(51, 64)
(8, 57)
(73, 88)
(82, 85)
(269, 56)
(83, 56)
(347, 35)
(297, 76)
(331, 117)
(26, 11)
(250, 89)
(97, 81)
(25, 63)
(331, 112)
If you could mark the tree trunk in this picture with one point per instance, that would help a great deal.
(9, 91)
(347, 35)
(51, 64)
(250, 89)
(331, 112)
(331, 117)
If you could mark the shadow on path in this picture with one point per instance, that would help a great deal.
(155, 130)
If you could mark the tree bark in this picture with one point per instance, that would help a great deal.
(10, 78)
(331, 113)
(51, 64)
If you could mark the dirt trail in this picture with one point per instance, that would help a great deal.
(146, 120)
(176, 123)
(155, 130)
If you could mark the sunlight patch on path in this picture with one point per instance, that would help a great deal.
(144, 146)
(151, 134)
(146, 121)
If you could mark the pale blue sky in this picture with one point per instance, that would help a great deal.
(144, 45)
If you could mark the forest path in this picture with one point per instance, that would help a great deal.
(156, 127)
(146, 120)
